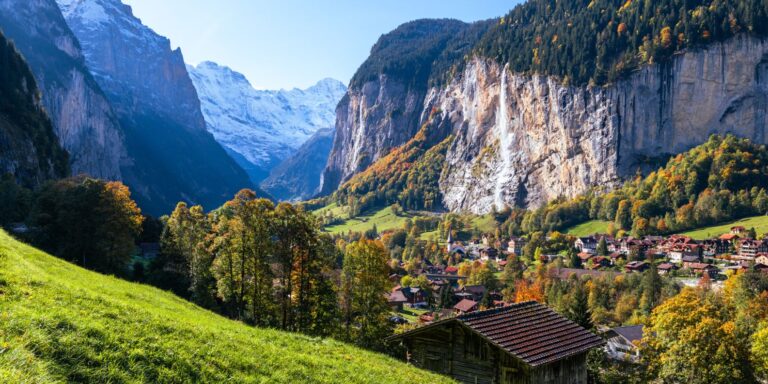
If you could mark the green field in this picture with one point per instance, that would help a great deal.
(384, 220)
(333, 208)
(760, 223)
(588, 228)
(60, 323)
(484, 223)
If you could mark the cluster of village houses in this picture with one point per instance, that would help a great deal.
(678, 255)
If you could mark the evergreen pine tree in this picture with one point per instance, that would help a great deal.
(579, 311)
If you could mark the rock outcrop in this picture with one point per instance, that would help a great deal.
(82, 117)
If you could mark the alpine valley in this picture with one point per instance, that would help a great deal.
(573, 192)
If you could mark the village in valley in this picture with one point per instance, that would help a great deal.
(440, 293)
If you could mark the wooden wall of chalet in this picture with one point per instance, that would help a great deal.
(459, 353)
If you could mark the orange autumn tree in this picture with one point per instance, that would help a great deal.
(527, 291)
(90, 222)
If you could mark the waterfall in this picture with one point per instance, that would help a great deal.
(505, 141)
(359, 134)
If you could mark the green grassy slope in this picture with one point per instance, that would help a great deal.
(384, 220)
(61, 323)
(760, 223)
(588, 228)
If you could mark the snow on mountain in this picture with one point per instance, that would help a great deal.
(264, 127)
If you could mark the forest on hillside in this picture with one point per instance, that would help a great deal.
(599, 41)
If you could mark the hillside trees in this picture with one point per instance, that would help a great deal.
(710, 336)
(181, 244)
(15, 201)
(722, 179)
(90, 222)
(263, 264)
(364, 283)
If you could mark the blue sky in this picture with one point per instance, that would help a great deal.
(293, 43)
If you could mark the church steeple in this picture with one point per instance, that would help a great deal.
(449, 241)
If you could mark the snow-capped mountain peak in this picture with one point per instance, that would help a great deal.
(263, 126)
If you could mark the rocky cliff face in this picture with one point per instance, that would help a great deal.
(29, 150)
(171, 155)
(524, 140)
(82, 118)
(381, 115)
(263, 127)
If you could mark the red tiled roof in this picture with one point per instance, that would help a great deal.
(465, 305)
(532, 332)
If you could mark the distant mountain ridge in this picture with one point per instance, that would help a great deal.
(299, 176)
(261, 128)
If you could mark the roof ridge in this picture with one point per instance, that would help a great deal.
(493, 311)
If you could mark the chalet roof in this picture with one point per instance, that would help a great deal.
(690, 259)
(631, 333)
(475, 289)
(532, 332)
(666, 266)
(701, 266)
(465, 305)
(529, 331)
(397, 297)
(636, 264)
(728, 236)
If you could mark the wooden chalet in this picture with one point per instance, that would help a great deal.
(465, 306)
(523, 343)
(396, 299)
(636, 266)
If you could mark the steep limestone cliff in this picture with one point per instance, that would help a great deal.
(382, 115)
(385, 99)
(522, 140)
(82, 118)
(29, 150)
